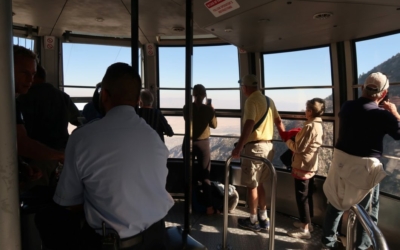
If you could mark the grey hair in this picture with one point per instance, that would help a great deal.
(146, 97)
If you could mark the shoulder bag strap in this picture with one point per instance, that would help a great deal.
(262, 118)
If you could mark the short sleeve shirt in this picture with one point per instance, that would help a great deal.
(116, 167)
(254, 109)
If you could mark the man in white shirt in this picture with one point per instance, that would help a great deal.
(116, 168)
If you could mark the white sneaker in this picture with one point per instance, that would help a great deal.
(299, 234)
(298, 224)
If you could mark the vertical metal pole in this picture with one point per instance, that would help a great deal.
(9, 201)
(351, 230)
(226, 194)
(188, 122)
(135, 34)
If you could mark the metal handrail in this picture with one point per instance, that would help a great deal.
(273, 198)
(358, 213)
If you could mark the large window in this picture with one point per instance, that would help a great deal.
(383, 54)
(84, 65)
(215, 67)
(292, 78)
(24, 42)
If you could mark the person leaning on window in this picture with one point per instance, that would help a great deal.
(305, 149)
(203, 119)
(356, 169)
(153, 116)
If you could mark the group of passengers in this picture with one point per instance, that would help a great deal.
(355, 171)
(115, 167)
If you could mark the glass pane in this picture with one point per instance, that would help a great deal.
(227, 126)
(391, 183)
(379, 54)
(310, 67)
(280, 148)
(79, 92)
(71, 128)
(177, 124)
(24, 42)
(80, 105)
(224, 99)
(172, 67)
(86, 64)
(324, 156)
(174, 145)
(291, 124)
(213, 66)
(324, 160)
(216, 66)
(221, 148)
(172, 99)
(295, 99)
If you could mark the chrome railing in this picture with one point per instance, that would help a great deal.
(273, 198)
(358, 213)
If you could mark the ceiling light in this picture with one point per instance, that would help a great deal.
(178, 29)
(66, 36)
(228, 30)
(99, 19)
(322, 15)
(263, 20)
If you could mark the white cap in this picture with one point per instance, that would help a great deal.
(376, 82)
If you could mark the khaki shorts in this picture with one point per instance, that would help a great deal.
(256, 172)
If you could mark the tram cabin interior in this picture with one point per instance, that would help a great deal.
(298, 49)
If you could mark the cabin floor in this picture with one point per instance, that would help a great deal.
(207, 229)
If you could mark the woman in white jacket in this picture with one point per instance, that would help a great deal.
(305, 163)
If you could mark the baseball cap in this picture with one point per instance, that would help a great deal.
(249, 80)
(376, 82)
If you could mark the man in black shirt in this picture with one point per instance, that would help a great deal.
(47, 111)
(362, 126)
(153, 116)
(24, 70)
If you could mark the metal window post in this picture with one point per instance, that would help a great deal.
(9, 201)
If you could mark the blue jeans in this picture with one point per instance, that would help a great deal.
(333, 216)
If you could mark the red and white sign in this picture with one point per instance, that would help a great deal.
(221, 7)
(150, 49)
(242, 51)
(49, 42)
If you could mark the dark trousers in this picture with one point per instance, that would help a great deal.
(60, 229)
(154, 238)
(304, 190)
(201, 171)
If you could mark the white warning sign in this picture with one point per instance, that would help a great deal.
(49, 42)
(221, 7)
(150, 49)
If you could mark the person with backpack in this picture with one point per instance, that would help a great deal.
(259, 116)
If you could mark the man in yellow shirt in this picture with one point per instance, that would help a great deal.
(256, 141)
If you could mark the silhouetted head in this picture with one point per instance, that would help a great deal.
(120, 86)
(24, 68)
